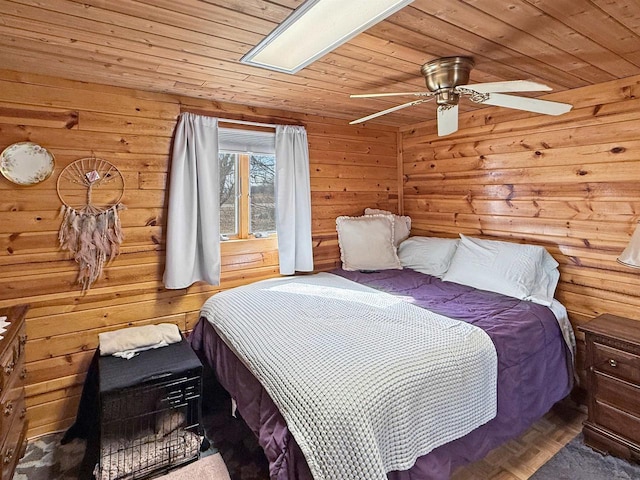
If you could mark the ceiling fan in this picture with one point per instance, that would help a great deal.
(447, 80)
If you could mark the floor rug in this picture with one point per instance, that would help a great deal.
(211, 467)
(46, 459)
(578, 461)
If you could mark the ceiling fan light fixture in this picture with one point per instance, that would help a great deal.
(447, 96)
(314, 29)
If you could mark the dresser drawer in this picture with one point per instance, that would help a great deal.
(13, 422)
(12, 398)
(618, 363)
(13, 447)
(617, 393)
(11, 360)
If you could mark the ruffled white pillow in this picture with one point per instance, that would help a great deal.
(402, 224)
(366, 243)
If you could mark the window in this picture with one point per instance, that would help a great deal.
(247, 188)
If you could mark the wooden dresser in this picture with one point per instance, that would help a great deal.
(13, 422)
(613, 385)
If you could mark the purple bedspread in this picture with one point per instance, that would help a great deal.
(534, 372)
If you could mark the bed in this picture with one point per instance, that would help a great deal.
(534, 371)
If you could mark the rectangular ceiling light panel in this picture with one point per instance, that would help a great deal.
(315, 28)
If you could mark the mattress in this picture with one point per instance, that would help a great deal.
(534, 372)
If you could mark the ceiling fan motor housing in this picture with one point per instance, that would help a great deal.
(442, 75)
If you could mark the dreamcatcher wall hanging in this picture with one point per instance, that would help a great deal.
(90, 190)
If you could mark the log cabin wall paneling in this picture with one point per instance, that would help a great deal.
(351, 168)
(570, 183)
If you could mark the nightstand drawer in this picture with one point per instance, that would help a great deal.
(613, 381)
(618, 421)
(616, 362)
(617, 393)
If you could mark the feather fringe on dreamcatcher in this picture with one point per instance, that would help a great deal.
(92, 239)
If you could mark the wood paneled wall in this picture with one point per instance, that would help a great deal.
(351, 168)
(570, 183)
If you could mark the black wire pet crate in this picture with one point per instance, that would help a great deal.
(149, 408)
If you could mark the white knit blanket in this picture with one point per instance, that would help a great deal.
(366, 382)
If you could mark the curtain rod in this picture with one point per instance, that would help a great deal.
(256, 124)
(244, 122)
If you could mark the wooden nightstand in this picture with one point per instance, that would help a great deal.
(613, 384)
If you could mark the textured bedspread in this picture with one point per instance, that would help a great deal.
(365, 381)
(534, 371)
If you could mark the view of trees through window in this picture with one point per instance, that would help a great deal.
(228, 193)
(262, 209)
(247, 194)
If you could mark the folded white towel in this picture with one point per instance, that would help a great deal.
(138, 337)
(129, 354)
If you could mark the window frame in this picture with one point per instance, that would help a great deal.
(244, 196)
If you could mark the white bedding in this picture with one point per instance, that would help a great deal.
(365, 381)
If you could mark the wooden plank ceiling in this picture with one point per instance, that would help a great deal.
(192, 47)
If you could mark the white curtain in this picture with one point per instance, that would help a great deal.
(293, 200)
(193, 222)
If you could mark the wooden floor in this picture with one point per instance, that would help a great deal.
(520, 458)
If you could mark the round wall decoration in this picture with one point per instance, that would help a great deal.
(90, 185)
(91, 189)
(26, 163)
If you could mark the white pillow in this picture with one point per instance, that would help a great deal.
(547, 281)
(402, 224)
(366, 243)
(427, 254)
(526, 272)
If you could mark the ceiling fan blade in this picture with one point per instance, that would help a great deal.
(512, 86)
(447, 119)
(389, 110)
(373, 95)
(527, 104)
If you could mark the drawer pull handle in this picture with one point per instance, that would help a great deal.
(22, 341)
(23, 412)
(613, 363)
(8, 456)
(8, 409)
(23, 374)
(9, 368)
